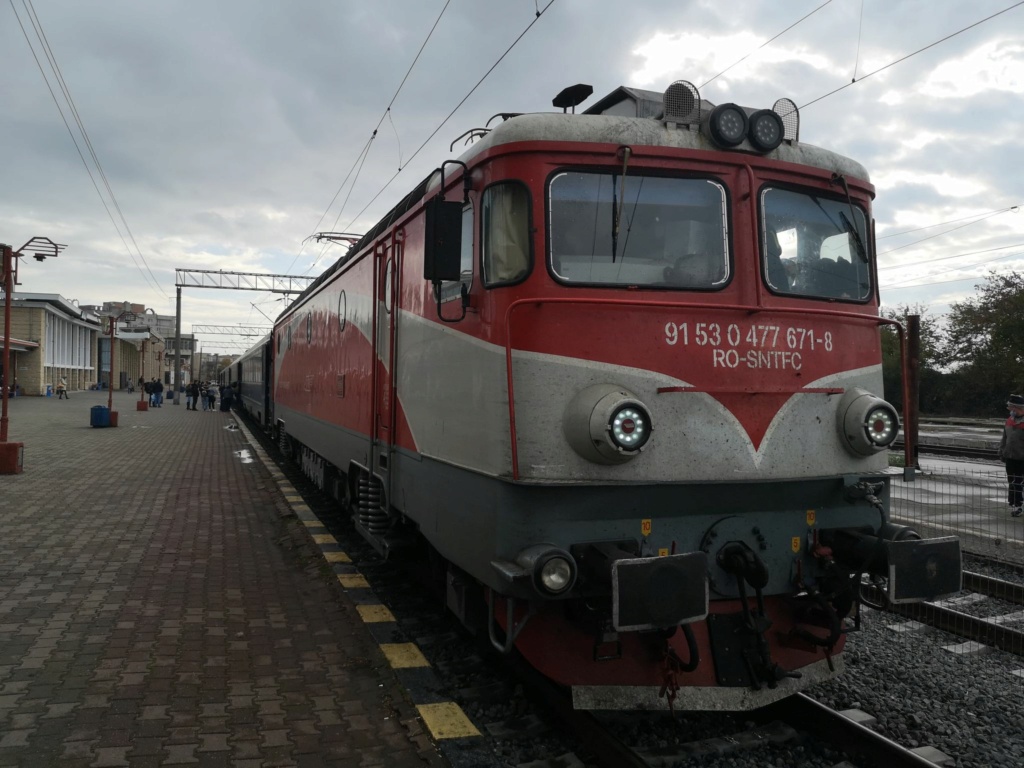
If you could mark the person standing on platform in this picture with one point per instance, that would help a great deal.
(158, 387)
(211, 394)
(1011, 452)
(188, 397)
(193, 394)
(62, 389)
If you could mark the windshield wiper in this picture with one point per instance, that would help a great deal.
(617, 206)
(851, 230)
(848, 227)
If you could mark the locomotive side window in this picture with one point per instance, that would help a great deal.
(506, 233)
(810, 246)
(671, 233)
(452, 289)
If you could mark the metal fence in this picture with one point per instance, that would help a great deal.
(958, 498)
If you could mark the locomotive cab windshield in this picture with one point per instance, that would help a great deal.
(811, 248)
(674, 232)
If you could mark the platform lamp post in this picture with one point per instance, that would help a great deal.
(129, 316)
(143, 404)
(12, 454)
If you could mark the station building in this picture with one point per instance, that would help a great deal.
(52, 339)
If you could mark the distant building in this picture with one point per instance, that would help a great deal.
(162, 326)
(53, 338)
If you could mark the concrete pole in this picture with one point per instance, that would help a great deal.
(177, 352)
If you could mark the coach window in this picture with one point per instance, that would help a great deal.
(814, 246)
(647, 231)
(506, 233)
(452, 289)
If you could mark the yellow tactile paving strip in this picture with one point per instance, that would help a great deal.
(445, 719)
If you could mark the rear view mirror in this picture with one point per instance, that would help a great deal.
(442, 245)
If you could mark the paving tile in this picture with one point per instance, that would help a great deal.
(174, 621)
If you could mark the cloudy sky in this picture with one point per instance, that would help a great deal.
(226, 128)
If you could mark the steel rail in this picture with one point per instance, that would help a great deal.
(1010, 591)
(967, 452)
(806, 714)
(987, 631)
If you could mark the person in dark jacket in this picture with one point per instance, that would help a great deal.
(1011, 452)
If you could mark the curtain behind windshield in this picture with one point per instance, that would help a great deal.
(506, 233)
(670, 232)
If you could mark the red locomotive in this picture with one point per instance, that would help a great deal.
(621, 370)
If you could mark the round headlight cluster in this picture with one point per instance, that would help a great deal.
(881, 426)
(766, 130)
(607, 424)
(728, 124)
(629, 428)
(867, 423)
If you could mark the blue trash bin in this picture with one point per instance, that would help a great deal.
(49, 390)
(99, 416)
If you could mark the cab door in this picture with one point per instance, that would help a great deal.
(386, 289)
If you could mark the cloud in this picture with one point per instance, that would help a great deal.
(996, 65)
(226, 132)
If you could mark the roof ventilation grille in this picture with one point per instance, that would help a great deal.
(682, 103)
(786, 109)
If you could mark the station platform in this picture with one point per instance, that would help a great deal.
(162, 604)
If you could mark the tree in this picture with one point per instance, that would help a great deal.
(931, 345)
(985, 343)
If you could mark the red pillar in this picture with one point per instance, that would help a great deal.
(11, 454)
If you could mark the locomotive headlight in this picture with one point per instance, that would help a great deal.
(629, 428)
(765, 130)
(728, 125)
(607, 424)
(553, 569)
(556, 575)
(881, 426)
(867, 423)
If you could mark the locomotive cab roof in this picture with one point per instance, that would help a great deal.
(677, 118)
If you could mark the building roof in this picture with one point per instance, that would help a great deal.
(56, 301)
(18, 345)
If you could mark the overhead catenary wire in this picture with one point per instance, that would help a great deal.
(947, 258)
(940, 234)
(366, 147)
(909, 283)
(766, 42)
(860, 35)
(37, 28)
(454, 110)
(911, 55)
(1013, 208)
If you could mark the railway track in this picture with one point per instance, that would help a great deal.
(528, 721)
(998, 631)
(784, 723)
(951, 449)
